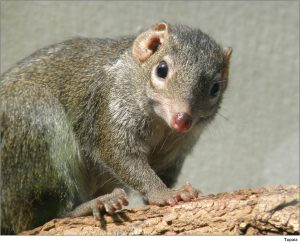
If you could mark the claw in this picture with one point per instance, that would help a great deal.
(185, 196)
(189, 188)
(124, 201)
(117, 205)
(172, 201)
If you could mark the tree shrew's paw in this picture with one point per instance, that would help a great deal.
(173, 196)
(109, 204)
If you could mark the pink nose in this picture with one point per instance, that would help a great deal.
(182, 121)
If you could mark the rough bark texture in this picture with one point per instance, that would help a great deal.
(259, 211)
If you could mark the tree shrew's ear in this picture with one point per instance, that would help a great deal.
(227, 51)
(149, 41)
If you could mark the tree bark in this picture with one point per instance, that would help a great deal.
(258, 211)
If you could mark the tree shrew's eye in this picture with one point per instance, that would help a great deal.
(215, 90)
(162, 69)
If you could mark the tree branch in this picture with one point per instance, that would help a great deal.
(259, 211)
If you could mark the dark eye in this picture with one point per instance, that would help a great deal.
(215, 90)
(162, 69)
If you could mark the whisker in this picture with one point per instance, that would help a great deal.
(204, 116)
(178, 139)
(221, 81)
(165, 141)
(153, 150)
(224, 107)
(218, 129)
(211, 131)
(224, 117)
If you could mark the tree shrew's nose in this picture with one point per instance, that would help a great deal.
(182, 121)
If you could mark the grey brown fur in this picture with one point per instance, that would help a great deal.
(77, 120)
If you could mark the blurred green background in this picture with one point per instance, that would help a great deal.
(255, 140)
